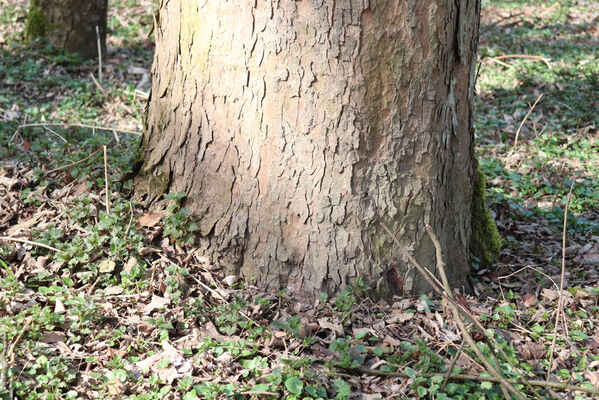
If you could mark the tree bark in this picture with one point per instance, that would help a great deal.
(69, 24)
(297, 128)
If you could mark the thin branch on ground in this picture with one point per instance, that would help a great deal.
(560, 301)
(463, 377)
(525, 118)
(32, 243)
(73, 164)
(106, 181)
(67, 125)
(525, 56)
(506, 387)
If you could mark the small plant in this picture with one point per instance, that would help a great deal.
(178, 224)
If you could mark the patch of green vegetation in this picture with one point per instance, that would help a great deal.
(36, 26)
(486, 242)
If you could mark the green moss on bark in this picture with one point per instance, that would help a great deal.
(485, 241)
(36, 25)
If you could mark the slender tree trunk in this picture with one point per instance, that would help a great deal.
(297, 128)
(69, 24)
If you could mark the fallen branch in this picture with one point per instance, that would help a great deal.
(525, 118)
(38, 244)
(525, 56)
(73, 164)
(67, 125)
(506, 386)
(464, 377)
(560, 301)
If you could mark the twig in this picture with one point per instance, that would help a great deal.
(97, 84)
(499, 62)
(525, 118)
(99, 53)
(106, 181)
(130, 219)
(51, 131)
(436, 286)
(73, 164)
(451, 365)
(506, 387)
(553, 385)
(45, 246)
(13, 346)
(67, 125)
(526, 56)
(3, 363)
(560, 301)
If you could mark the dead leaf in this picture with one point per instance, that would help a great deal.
(113, 290)
(59, 307)
(532, 351)
(529, 300)
(106, 266)
(156, 302)
(149, 220)
(52, 337)
(336, 327)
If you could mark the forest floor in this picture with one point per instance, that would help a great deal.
(100, 299)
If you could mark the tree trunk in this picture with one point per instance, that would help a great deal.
(69, 24)
(297, 128)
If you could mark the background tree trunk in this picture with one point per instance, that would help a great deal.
(69, 24)
(297, 128)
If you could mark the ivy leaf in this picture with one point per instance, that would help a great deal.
(294, 385)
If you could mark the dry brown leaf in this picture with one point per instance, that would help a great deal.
(52, 337)
(149, 220)
(336, 326)
(529, 300)
(532, 351)
(156, 302)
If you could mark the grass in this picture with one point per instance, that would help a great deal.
(126, 308)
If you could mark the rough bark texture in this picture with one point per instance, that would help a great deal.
(297, 128)
(69, 24)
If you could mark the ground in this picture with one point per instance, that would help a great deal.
(101, 299)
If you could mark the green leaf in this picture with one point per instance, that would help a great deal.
(486, 385)
(294, 385)
(421, 391)
(410, 372)
(263, 387)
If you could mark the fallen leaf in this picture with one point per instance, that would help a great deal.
(532, 351)
(52, 337)
(149, 220)
(336, 327)
(106, 266)
(529, 300)
(113, 290)
(156, 302)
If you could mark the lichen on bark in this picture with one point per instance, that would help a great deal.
(486, 241)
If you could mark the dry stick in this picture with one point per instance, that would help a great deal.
(437, 287)
(51, 131)
(99, 53)
(496, 372)
(106, 181)
(73, 164)
(97, 84)
(530, 57)
(45, 246)
(525, 118)
(13, 346)
(553, 385)
(67, 125)
(3, 363)
(560, 302)
(453, 362)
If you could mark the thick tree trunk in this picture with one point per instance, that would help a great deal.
(69, 24)
(297, 128)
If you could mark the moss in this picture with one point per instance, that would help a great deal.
(485, 242)
(36, 22)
